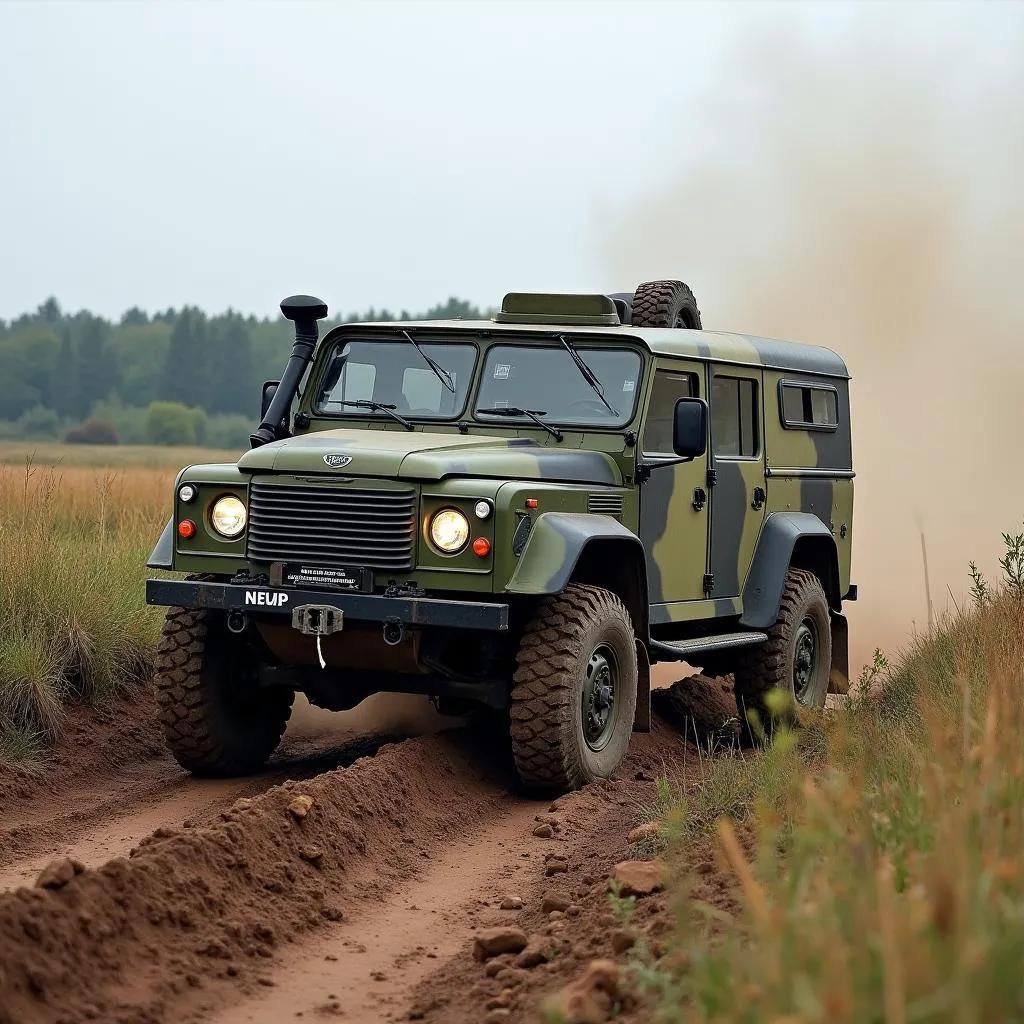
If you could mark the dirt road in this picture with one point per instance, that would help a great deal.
(221, 902)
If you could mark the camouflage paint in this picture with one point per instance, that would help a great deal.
(808, 471)
(673, 531)
(555, 544)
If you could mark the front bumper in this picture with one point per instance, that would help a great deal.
(411, 611)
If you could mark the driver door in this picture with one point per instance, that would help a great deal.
(673, 499)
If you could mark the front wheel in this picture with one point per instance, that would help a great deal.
(574, 690)
(217, 720)
(791, 668)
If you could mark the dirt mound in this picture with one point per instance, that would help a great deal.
(139, 934)
(702, 708)
(96, 742)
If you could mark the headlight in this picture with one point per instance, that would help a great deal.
(449, 530)
(228, 516)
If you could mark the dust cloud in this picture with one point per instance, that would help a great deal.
(864, 192)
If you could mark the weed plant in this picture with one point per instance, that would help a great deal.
(74, 624)
(874, 857)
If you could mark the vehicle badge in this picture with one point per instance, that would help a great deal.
(337, 461)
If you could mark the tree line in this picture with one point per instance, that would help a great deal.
(175, 377)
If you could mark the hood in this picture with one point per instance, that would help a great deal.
(418, 455)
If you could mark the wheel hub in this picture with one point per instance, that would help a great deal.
(597, 706)
(805, 658)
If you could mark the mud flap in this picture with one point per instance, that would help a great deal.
(642, 718)
(839, 677)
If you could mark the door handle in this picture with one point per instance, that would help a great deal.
(759, 498)
(700, 497)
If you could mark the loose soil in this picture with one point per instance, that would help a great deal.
(239, 907)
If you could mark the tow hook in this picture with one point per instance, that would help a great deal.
(394, 631)
(318, 620)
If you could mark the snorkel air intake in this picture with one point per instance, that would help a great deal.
(304, 311)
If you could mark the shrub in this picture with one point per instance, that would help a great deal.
(230, 432)
(172, 423)
(92, 431)
(38, 424)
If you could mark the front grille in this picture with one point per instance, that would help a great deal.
(331, 526)
(605, 504)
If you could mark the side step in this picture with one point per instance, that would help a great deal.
(679, 650)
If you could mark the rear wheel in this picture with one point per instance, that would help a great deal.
(665, 304)
(574, 690)
(791, 668)
(216, 719)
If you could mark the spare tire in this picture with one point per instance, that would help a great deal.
(665, 304)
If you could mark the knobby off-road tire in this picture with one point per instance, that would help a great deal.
(665, 304)
(578, 642)
(217, 721)
(795, 660)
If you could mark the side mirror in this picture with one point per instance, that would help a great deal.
(690, 428)
(269, 390)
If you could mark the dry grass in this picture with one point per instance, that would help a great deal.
(52, 453)
(73, 619)
(878, 860)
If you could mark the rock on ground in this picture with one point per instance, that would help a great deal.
(639, 877)
(594, 996)
(495, 941)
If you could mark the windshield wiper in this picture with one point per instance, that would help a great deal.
(534, 414)
(365, 403)
(439, 371)
(588, 374)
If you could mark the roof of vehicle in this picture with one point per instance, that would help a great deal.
(722, 346)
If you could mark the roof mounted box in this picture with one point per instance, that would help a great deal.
(547, 308)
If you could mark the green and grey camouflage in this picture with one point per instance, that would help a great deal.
(520, 514)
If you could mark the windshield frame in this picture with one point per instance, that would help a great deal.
(427, 341)
(584, 344)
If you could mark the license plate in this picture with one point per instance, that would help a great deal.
(329, 578)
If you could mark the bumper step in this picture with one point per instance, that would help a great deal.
(678, 650)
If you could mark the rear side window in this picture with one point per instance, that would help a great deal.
(734, 417)
(808, 406)
(667, 389)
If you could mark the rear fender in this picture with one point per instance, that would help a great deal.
(783, 534)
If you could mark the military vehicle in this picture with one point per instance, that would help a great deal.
(522, 514)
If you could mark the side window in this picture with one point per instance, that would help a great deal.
(809, 407)
(734, 416)
(668, 387)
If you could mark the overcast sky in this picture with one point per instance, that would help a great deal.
(230, 153)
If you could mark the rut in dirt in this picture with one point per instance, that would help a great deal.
(112, 782)
(196, 914)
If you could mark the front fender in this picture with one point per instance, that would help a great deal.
(556, 542)
(162, 556)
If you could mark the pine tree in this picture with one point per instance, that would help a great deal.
(95, 370)
(185, 376)
(232, 370)
(64, 383)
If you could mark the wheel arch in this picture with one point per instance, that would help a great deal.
(798, 540)
(576, 547)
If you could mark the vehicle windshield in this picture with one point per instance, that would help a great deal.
(395, 375)
(545, 378)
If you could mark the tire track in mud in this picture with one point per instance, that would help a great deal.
(99, 803)
(264, 913)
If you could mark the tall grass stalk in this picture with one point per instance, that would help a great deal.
(73, 619)
(874, 861)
